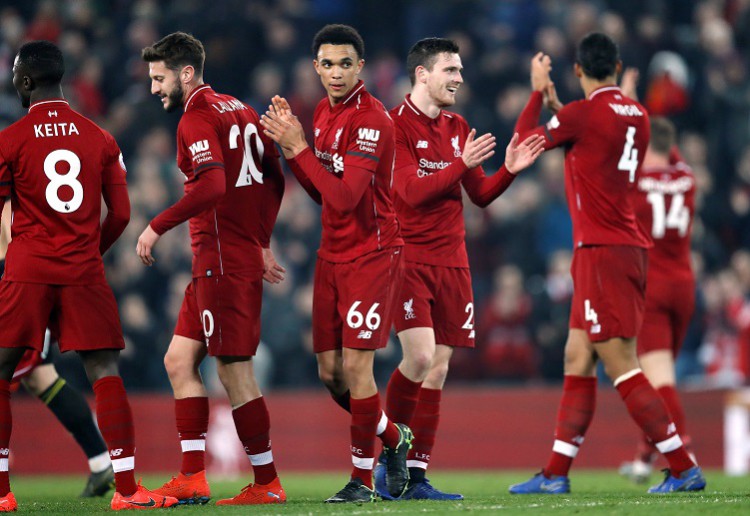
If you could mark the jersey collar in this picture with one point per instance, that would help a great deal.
(202, 87)
(603, 89)
(357, 89)
(416, 113)
(49, 103)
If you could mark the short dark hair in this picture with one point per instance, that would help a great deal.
(425, 53)
(598, 55)
(177, 50)
(663, 135)
(338, 34)
(44, 61)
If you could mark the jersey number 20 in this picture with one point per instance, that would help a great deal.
(252, 153)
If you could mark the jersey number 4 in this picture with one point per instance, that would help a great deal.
(629, 159)
(252, 154)
(56, 181)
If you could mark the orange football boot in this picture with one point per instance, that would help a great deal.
(257, 494)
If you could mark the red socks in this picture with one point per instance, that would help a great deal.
(116, 424)
(253, 428)
(6, 425)
(424, 426)
(366, 414)
(191, 415)
(650, 413)
(671, 399)
(573, 419)
(401, 398)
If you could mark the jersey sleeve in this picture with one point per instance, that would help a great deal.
(200, 141)
(419, 191)
(113, 167)
(6, 177)
(369, 132)
(561, 129)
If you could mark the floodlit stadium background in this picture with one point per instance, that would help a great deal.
(693, 60)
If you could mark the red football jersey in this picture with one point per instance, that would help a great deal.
(433, 234)
(605, 138)
(357, 132)
(218, 130)
(53, 163)
(665, 204)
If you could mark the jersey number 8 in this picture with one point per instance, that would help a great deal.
(56, 181)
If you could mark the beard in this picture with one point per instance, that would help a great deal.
(174, 99)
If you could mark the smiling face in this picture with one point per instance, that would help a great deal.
(339, 67)
(444, 79)
(166, 84)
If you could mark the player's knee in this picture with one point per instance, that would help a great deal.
(177, 364)
(438, 373)
(418, 364)
(331, 378)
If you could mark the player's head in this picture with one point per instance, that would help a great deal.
(39, 66)
(663, 136)
(435, 66)
(175, 62)
(598, 57)
(338, 52)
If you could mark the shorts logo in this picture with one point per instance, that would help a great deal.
(408, 308)
(4, 452)
(671, 429)
(422, 144)
(364, 334)
(593, 317)
(116, 452)
(208, 323)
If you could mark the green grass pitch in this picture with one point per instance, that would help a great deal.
(594, 492)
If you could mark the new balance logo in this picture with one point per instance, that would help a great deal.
(671, 429)
(4, 452)
(371, 135)
(198, 147)
(116, 452)
(364, 334)
(422, 144)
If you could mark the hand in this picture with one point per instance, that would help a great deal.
(283, 127)
(272, 271)
(146, 243)
(541, 65)
(477, 151)
(551, 101)
(518, 157)
(629, 81)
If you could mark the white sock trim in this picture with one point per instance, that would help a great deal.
(124, 464)
(99, 463)
(382, 424)
(193, 445)
(626, 376)
(670, 444)
(3, 464)
(261, 459)
(362, 462)
(563, 448)
(416, 464)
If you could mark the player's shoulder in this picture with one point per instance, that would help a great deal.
(370, 110)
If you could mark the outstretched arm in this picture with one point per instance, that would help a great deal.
(482, 190)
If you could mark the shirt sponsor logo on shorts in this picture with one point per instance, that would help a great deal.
(364, 334)
(409, 309)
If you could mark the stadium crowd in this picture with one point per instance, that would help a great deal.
(692, 58)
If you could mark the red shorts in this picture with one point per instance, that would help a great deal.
(353, 302)
(223, 311)
(438, 298)
(609, 286)
(669, 307)
(84, 317)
